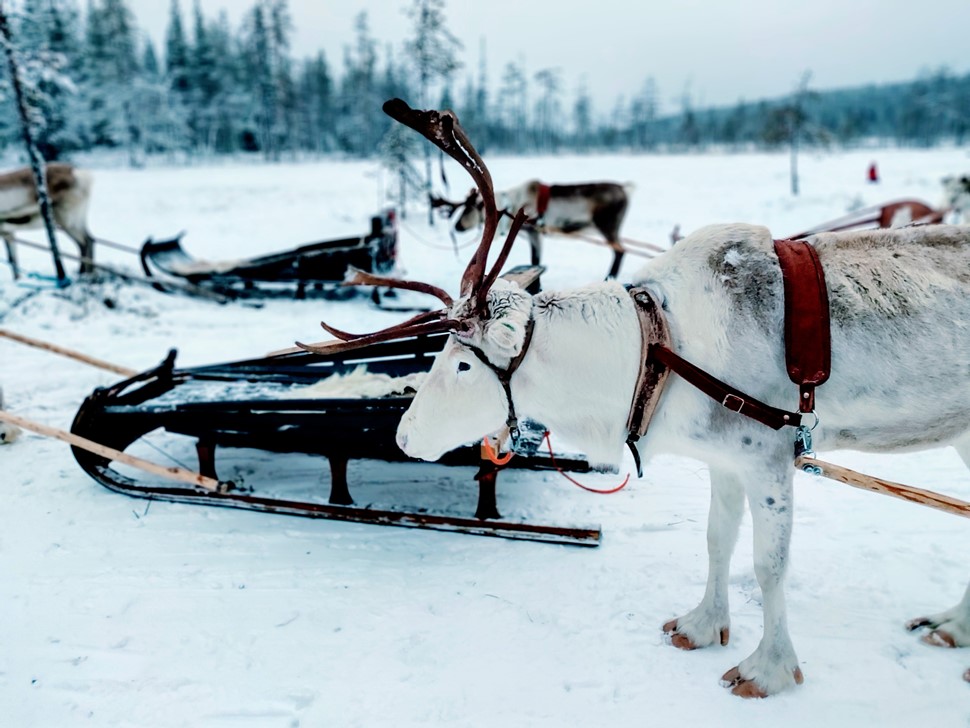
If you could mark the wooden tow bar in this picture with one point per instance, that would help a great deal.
(886, 487)
(69, 353)
(173, 473)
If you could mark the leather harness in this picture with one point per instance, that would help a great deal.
(808, 352)
(808, 349)
(542, 199)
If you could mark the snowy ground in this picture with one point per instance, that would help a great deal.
(115, 613)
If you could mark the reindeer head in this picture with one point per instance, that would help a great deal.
(956, 195)
(464, 396)
(472, 213)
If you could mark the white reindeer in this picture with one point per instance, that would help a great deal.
(8, 433)
(900, 307)
(956, 197)
(69, 189)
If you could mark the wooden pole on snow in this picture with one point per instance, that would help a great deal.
(173, 473)
(69, 353)
(886, 487)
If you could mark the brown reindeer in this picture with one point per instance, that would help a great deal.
(565, 208)
(69, 190)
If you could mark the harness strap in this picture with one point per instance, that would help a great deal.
(505, 376)
(731, 398)
(653, 374)
(542, 199)
(808, 343)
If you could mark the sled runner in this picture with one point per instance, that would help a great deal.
(313, 270)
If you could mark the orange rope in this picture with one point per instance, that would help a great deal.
(620, 487)
(492, 455)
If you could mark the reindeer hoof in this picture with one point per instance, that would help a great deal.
(680, 641)
(915, 624)
(749, 688)
(683, 642)
(939, 638)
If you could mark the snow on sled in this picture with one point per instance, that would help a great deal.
(309, 271)
(275, 405)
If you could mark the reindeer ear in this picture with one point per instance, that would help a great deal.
(506, 335)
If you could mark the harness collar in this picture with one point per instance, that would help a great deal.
(542, 199)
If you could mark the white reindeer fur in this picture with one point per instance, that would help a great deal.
(900, 309)
(8, 433)
(956, 195)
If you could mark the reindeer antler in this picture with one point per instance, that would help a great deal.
(443, 130)
(447, 207)
(362, 278)
(389, 334)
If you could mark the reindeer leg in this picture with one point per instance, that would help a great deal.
(12, 256)
(710, 622)
(773, 666)
(952, 627)
(617, 259)
(86, 244)
(535, 240)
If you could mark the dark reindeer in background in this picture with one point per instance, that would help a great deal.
(553, 209)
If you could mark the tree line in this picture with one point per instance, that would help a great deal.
(213, 89)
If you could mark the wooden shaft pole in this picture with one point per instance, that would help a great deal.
(131, 278)
(887, 487)
(69, 353)
(173, 473)
(602, 242)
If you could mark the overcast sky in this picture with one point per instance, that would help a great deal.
(720, 51)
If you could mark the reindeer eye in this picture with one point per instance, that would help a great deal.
(464, 366)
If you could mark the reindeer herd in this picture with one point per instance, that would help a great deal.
(582, 361)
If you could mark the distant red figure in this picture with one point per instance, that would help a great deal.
(873, 173)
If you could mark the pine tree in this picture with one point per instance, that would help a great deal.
(548, 109)
(583, 118)
(177, 63)
(360, 127)
(47, 28)
(24, 74)
(149, 59)
(111, 69)
(433, 50)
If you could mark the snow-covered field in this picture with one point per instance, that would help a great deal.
(116, 613)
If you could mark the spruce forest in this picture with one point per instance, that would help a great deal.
(215, 89)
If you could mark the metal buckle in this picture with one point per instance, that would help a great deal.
(733, 398)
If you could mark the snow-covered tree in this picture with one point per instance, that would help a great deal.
(27, 76)
(433, 50)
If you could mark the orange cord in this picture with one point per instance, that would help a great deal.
(620, 487)
(493, 456)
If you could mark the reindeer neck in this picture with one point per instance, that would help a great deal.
(579, 375)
